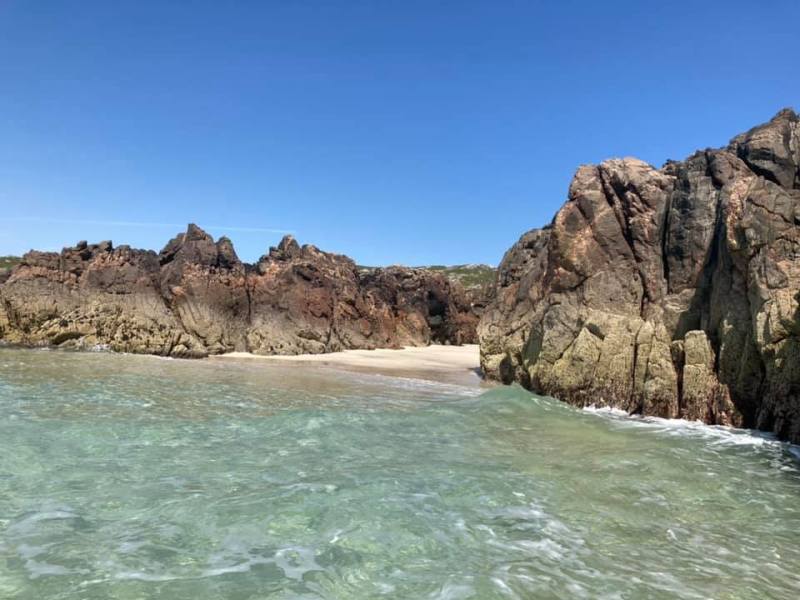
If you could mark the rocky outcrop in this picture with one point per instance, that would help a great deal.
(196, 298)
(669, 292)
(451, 317)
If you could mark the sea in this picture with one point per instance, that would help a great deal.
(137, 477)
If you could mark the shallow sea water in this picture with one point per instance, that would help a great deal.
(127, 477)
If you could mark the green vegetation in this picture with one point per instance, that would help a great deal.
(7, 262)
(470, 276)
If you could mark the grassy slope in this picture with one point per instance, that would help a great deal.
(469, 275)
(6, 262)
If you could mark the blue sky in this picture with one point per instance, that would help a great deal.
(396, 132)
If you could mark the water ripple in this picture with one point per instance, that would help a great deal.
(131, 477)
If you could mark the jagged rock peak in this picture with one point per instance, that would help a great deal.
(71, 259)
(84, 247)
(193, 233)
(772, 150)
(196, 246)
(226, 254)
(288, 246)
(286, 249)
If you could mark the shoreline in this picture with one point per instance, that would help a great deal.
(449, 364)
(442, 363)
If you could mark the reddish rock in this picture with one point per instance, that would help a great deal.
(196, 298)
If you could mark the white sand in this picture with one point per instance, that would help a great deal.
(444, 363)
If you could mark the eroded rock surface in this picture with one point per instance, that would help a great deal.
(196, 298)
(669, 292)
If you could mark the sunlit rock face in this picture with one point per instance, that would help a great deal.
(669, 292)
(196, 298)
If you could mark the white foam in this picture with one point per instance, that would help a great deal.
(503, 586)
(296, 561)
(413, 383)
(716, 434)
(142, 576)
(605, 410)
(243, 567)
(49, 513)
(455, 591)
(40, 569)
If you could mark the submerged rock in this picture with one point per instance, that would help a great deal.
(669, 292)
(196, 298)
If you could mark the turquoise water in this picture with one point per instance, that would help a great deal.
(136, 477)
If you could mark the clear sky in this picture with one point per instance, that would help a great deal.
(411, 132)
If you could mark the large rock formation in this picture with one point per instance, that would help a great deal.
(196, 298)
(669, 292)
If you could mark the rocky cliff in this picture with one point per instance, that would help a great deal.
(669, 292)
(196, 298)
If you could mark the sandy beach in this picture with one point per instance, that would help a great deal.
(453, 364)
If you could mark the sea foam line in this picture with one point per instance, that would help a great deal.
(716, 433)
